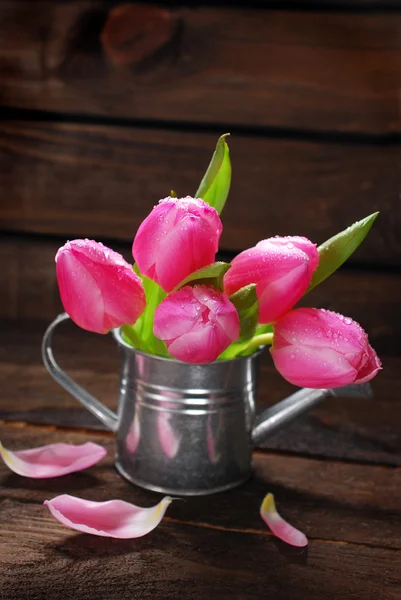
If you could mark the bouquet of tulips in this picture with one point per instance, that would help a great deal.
(178, 302)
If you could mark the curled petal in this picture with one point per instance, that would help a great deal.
(371, 367)
(114, 518)
(280, 528)
(52, 460)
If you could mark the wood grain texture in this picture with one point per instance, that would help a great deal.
(97, 181)
(340, 428)
(262, 68)
(298, 483)
(214, 545)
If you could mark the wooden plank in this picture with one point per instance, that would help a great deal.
(336, 71)
(97, 181)
(205, 563)
(216, 546)
(341, 428)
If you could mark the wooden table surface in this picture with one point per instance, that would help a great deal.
(335, 475)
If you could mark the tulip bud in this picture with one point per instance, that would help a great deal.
(98, 288)
(197, 323)
(281, 268)
(322, 349)
(180, 236)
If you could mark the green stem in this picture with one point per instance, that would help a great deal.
(264, 339)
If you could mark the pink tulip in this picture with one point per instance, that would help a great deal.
(180, 236)
(98, 288)
(282, 269)
(197, 323)
(322, 349)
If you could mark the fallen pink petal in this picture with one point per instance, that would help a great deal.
(278, 526)
(53, 460)
(114, 518)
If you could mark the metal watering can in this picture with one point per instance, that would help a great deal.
(186, 429)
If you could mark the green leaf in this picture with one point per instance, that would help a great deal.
(245, 301)
(141, 335)
(210, 275)
(215, 184)
(335, 251)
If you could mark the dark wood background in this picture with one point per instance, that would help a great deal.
(103, 110)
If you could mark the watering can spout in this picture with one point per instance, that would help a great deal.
(284, 412)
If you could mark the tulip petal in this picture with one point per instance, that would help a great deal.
(179, 253)
(278, 296)
(114, 518)
(278, 526)
(84, 302)
(150, 232)
(323, 328)
(371, 368)
(52, 460)
(281, 268)
(199, 346)
(176, 315)
(313, 367)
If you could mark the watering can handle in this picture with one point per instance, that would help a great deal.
(102, 412)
